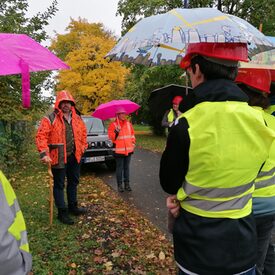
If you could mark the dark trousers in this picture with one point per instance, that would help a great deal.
(72, 173)
(264, 227)
(250, 272)
(269, 265)
(122, 168)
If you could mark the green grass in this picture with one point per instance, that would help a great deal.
(139, 127)
(151, 142)
(113, 238)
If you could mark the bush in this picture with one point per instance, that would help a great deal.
(14, 142)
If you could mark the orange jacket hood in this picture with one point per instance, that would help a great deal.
(62, 96)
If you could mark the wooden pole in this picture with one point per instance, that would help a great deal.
(261, 27)
(50, 192)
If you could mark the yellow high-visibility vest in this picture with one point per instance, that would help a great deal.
(14, 248)
(229, 142)
(171, 116)
(265, 181)
(271, 110)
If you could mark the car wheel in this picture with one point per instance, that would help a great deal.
(111, 164)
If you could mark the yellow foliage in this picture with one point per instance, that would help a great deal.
(92, 80)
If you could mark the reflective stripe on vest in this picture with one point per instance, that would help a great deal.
(18, 258)
(261, 183)
(171, 116)
(217, 206)
(217, 192)
(265, 181)
(124, 143)
(124, 137)
(18, 227)
(266, 173)
(219, 183)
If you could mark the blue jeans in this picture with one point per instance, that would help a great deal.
(72, 173)
(122, 168)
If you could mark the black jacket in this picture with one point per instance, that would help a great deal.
(206, 245)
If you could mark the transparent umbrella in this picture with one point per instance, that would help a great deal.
(162, 39)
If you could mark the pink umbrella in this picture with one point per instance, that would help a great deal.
(20, 54)
(110, 109)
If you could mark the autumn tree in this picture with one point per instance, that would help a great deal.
(92, 79)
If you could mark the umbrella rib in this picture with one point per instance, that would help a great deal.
(171, 48)
(211, 20)
(173, 12)
(191, 25)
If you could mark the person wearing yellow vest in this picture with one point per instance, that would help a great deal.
(269, 261)
(121, 133)
(15, 257)
(271, 108)
(210, 162)
(171, 115)
(256, 84)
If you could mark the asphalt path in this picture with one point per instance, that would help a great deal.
(146, 195)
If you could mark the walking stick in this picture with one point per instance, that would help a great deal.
(51, 192)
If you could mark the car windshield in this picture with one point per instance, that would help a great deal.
(93, 125)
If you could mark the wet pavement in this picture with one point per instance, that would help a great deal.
(146, 195)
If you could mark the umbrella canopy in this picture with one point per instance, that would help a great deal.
(263, 60)
(160, 100)
(162, 39)
(272, 39)
(20, 54)
(111, 108)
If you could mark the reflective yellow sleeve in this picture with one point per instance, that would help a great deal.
(181, 195)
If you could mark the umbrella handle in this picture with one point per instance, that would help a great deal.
(50, 192)
(118, 122)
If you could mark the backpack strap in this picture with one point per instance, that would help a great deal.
(52, 116)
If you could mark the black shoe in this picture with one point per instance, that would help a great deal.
(127, 186)
(76, 211)
(120, 188)
(64, 217)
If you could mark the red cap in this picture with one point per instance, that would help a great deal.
(177, 100)
(222, 51)
(259, 79)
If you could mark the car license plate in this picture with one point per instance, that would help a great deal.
(94, 159)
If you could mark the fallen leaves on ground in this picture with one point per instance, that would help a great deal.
(128, 241)
(112, 238)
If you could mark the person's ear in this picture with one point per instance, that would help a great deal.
(198, 74)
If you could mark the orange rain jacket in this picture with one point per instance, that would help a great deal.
(51, 134)
(125, 140)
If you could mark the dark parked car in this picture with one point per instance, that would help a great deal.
(100, 147)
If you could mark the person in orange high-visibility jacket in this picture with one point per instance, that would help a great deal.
(61, 139)
(121, 133)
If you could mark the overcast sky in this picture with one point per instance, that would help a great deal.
(95, 11)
